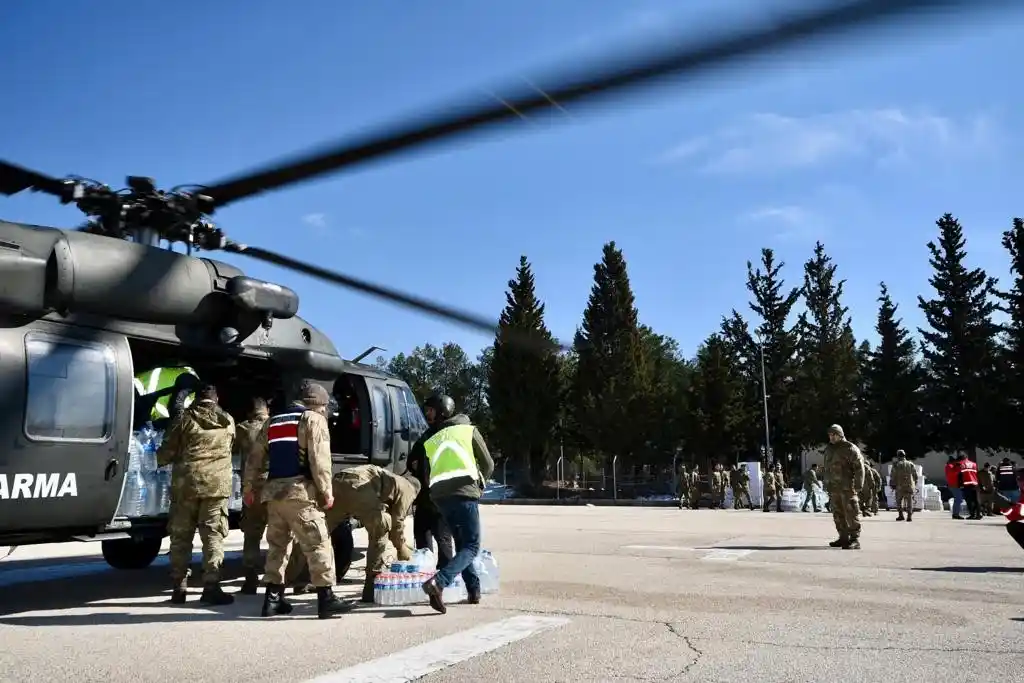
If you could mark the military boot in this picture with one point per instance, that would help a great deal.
(180, 592)
(213, 594)
(329, 605)
(852, 544)
(910, 515)
(251, 585)
(839, 542)
(274, 602)
(899, 517)
(368, 586)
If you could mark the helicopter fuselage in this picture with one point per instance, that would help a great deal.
(68, 366)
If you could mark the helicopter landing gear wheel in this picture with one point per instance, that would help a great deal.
(131, 553)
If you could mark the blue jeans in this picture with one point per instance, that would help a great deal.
(462, 515)
(958, 500)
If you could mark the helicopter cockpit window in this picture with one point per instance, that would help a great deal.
(383, 425)
(418, 423)
(71, 390)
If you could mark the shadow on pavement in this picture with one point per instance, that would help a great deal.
(823, 546)
(116, 597)
(971, 570)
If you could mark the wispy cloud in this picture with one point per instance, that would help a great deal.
(315, 220)
(787, 222)
(770, 142)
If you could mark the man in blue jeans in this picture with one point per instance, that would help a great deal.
(458, 464)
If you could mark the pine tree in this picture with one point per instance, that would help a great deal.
(662, 406)
(828, 378)
(777, 340)
(892, 387)
(717, 404)
(960, 347)
(610, 372)
(1013, 354)
(523, 388)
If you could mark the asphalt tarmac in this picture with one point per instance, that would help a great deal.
(587, 594)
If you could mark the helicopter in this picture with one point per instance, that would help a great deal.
(84, 312)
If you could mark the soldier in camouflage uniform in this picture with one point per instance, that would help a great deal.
(903, 480)
(694, 487)
(869, 489)
(199, 446)
(876, 487)
(810, 482)
(772, 487)
(381, 501)
(741, 488)
(683, 487)
(986, 488)
(254, 517)
(844, 480)
(717, 487)
(296, 445)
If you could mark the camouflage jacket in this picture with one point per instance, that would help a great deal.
(247, 436)
(717, 479)
(315, 443)
(810, 479)
(844, 467)
(199, 445)
(742, 478)
(769, 483)
(780, 480)
(986, 481)
(903, 475)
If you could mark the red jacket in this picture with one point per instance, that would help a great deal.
(1015, 513)
(953, 475)
(968, 472)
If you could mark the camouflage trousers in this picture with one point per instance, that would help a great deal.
(695, 496)
(304, 521)
(210, 517)
(719, 496)
(904, 499)
(740, 497)
(845, 513)
(382, 521)
(684, 497)
(769, 496)
(869, 499)
(253, 524)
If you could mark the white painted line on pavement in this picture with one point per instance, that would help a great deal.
(726, 554)
(714, 554)
(419, 661)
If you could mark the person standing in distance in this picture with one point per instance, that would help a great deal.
(199, 446)
(459, 464)
(427, 522)
(254, 517)
(297, 446)
(903, 481)
(844, 480)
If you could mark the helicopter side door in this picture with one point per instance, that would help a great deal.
(67, 436)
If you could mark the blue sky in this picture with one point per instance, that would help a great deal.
(862, 144)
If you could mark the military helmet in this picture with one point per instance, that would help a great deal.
(443, 405)
(311, 394)
(901, 453)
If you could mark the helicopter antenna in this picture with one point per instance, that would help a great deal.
(367, 352)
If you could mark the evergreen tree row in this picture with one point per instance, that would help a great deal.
(765, 385)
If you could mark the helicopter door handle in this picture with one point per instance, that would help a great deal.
(111, 471)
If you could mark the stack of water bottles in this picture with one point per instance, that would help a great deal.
(403, 584)
(146, 491)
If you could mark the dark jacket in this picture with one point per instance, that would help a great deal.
(419, 468)
(453, 488)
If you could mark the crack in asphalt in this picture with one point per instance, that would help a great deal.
(759, 643)
(697, 653)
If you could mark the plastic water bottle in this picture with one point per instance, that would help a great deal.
(236, 491)
(455, 592)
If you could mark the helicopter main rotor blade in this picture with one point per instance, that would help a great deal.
(15, 179)
(416, 303)
(676, 59)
